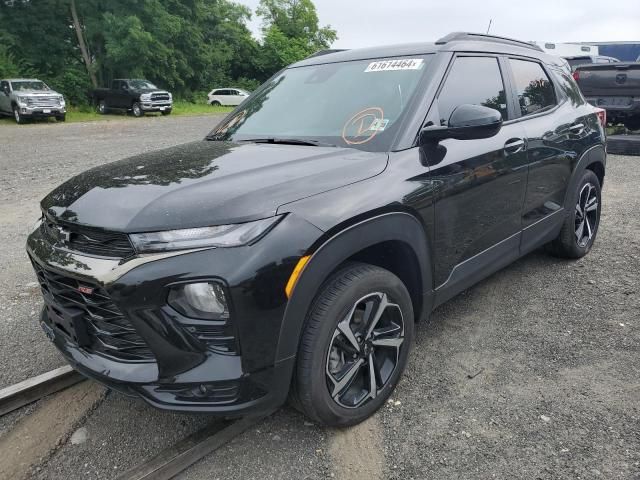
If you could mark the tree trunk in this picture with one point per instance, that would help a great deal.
(82, 44)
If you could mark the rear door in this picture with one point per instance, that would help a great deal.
(477, 214)
(557, 128)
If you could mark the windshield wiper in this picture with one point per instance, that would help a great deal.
(287, 141)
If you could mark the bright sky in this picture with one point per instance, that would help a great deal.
(362, 23)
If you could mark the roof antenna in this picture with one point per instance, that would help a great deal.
(489, 27)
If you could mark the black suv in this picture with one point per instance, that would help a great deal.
(291, 252)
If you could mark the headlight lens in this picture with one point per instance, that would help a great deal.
(145, 97)
(205, 300)
(23, 100)
(233, 235)
(61, 99)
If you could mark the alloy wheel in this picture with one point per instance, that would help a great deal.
(16, 115)
(586, 215)
(364, 350)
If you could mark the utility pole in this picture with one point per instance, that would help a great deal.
(82, 44)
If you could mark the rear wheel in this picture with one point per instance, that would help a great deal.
(354, 346)
(102, 107)
(136, 109)
(581, 224)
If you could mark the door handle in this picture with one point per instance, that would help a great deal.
(514, 145)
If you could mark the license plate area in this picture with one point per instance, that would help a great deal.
(46, 110)
(614, 101)
(69, 323)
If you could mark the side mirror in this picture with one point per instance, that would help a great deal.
(6, 91)
(124, 86)
(467, 122)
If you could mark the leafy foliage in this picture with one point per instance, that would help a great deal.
(187, 46)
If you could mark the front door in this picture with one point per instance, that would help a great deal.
(482, 183)
(5, 102)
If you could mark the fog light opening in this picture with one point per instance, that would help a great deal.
(204, 300)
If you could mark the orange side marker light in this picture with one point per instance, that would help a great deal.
(295, 274)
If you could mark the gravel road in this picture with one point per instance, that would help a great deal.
(533, 373)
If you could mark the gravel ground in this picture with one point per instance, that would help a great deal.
(533, 373)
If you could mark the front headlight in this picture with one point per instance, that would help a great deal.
(23, 100)
(234, 235)
(170, 96)
(61, 100)
(145, 97)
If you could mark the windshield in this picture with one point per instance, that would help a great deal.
(350, 104)
(141, 84)
(28, 85)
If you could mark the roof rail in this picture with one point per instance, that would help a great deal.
(487, 38)
(319, 53)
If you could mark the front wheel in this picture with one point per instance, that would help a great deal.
(61, 118)
(18, 116)
(581, 223)
(166, 112)
(136, 109)
(102, 107)
(354, 346)
(216, 103)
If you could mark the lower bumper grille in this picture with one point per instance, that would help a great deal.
(97, 319)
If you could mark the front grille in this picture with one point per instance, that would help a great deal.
(87, 240)
(110, 332)
(43, 102)
(159, 97)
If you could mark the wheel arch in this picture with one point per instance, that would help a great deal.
(594, 159)
(387, 240)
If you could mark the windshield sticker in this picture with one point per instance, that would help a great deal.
(363, 126)
(397, 64)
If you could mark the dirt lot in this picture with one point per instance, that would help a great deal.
(534, 373)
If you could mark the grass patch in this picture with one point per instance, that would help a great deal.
(86, 114)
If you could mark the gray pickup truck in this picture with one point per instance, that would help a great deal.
(25, 98)
(614, 87)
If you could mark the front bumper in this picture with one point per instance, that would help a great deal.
(160, 106)
(181, 371)
(41, 112)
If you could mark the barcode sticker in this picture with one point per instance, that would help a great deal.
(395, 64)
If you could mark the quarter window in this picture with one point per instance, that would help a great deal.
(535, 90)
(476, 81)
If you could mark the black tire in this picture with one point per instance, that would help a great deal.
(102, 107)
(216, 103)
(166, 112)
(136, 109)
(61, 118)
(321, 350)
(567, 244)
(632, 123)
(20, 120)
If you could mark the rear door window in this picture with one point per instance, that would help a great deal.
(476, 81)
(533, 87)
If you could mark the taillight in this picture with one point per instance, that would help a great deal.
(576, 75)
(602, 116)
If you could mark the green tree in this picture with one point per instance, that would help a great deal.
(291, 32)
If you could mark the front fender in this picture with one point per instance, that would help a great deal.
(394, 226)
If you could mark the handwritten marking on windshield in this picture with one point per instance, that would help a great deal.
(366, 124)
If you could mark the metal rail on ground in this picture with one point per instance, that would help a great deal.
(188, 451)
(32, 389)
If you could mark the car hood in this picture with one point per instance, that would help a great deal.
(37, 93)
(205, 183)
